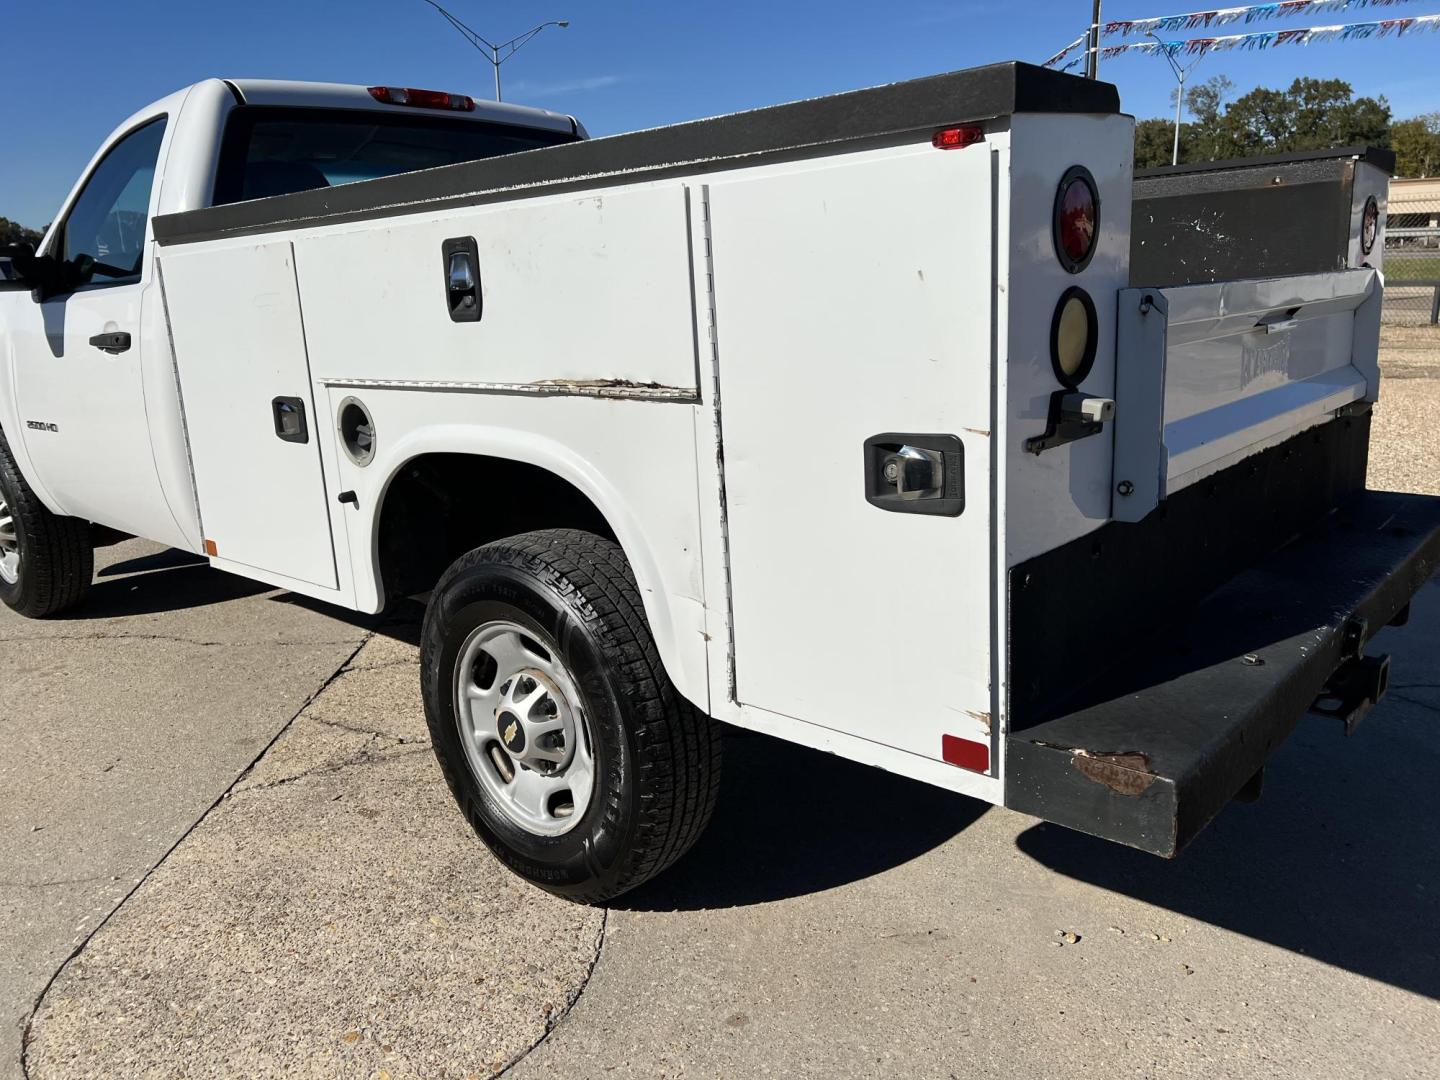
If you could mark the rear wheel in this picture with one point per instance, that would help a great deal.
(46, 561)
(557, 729)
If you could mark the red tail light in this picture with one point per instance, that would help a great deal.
(957, 138)
(422, 99)
(1077, 219)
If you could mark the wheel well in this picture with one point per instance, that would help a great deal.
(440, 506)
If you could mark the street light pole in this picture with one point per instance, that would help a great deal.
(496, 54)
(1179, 104)
(1181, 72)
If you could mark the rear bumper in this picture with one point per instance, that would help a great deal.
(1155, 748)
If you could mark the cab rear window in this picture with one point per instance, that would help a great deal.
(277, 151)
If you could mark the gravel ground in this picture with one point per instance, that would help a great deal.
(1405, 441)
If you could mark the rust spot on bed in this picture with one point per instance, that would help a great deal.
(1126, 773)
(983, 718)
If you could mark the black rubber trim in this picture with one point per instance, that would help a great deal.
(801, 128)
(1378, 156)
(235, 92)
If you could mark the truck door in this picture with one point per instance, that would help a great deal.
(254, 434)
(78, 370)
(854, 334)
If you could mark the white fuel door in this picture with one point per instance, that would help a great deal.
(249, 412)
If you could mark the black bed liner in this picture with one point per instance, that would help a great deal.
(1273, 216)
(1176, 729)
(862, 117)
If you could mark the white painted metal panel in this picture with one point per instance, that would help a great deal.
(583, 288)
(635, 460)
(239, 344)
(853, 300)
(1063, 493)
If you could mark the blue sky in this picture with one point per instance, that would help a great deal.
(74, 68)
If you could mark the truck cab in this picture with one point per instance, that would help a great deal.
(92, 414)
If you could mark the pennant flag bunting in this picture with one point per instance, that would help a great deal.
(1204, 20)
(1268, 39)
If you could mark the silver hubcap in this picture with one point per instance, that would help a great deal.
(524, 732)
(9, 544)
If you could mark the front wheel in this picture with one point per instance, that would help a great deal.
(46, 561)
(557, 729)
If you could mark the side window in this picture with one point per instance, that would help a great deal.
(108, 221)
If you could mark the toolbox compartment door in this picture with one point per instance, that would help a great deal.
(254, 432)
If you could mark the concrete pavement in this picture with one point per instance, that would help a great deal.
(121, 726)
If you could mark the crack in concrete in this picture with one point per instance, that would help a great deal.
(359, 758)
(1419, 703)
(402, 739)
(27, 1034)
(562, 1014)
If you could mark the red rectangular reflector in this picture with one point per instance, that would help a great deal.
(974, 756)
(957, 138)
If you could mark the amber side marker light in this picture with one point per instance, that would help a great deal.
(1074, 337)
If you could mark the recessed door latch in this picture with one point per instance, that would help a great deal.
(462, 278)
(915, 474)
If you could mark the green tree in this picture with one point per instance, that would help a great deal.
(1206, 104)
(1155, 141)
(1416, 143)
(14, 233)
(1312, 114)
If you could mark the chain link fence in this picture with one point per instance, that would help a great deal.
(1412, 255)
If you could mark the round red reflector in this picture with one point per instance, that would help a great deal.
(1077, 219)
(1369, 226)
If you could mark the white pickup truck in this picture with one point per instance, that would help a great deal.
(845, 421)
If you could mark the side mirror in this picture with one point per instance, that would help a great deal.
(43, 275)
(12, 256)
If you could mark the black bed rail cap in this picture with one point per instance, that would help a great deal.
(1379, 156)
(872, 116)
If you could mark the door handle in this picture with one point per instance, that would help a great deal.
(111, 343)
(462, 278)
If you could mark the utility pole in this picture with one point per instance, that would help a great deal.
(1092, 51)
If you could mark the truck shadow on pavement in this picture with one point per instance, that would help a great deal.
(168, 580)
(1338, 861)
(791, 821)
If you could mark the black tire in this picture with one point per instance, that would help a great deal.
(57, 560)
(657, 758)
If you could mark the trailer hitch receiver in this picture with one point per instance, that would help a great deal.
(1356, 687)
